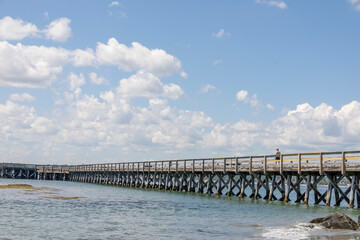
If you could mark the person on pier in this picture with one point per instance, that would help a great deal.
(277, 157)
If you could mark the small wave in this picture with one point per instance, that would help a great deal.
(295, 232)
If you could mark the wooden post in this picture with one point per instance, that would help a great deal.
(307, 190)
(224, 165)
(236, 165)
(208, 184)
(357, 190)
(184, 166)
(250, 164)
(343, 166)
(199, 185)
(352, 193)
(281, 164)
(299, 163)
(287, 188)
(329, 192)
(218, 188)
(321, 164)
(213, 166)
(229, 188)
(242, 191)
(203, 166)
(265, 164)
(176, 166)
(193, 166)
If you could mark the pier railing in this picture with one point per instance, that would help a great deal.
(345, 161)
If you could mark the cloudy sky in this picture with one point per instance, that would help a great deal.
(115, 81)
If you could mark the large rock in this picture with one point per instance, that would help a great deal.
(336, 220)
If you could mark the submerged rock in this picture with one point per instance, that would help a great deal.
(337, 220)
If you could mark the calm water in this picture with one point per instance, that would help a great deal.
(108, 212)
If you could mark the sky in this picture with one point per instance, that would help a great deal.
(118, 81)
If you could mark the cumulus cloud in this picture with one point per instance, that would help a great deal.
(76, 81)
(113, 121)
(39, 66)
(24, 97)
(97, 80)
(30, 66)
(208, 88)
(21, 123)
(221, 34)
(114, 4)
(85, 57)
(137, 57)
(305, 128)
(147, 85)
(275, 3)
(58, 30)
(16, 29)
(243, 96)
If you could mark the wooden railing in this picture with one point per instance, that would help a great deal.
(17, 165)
(346, 161)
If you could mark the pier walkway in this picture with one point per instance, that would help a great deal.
(293, 177)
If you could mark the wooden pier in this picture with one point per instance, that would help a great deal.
(18, 170)
(298, 177)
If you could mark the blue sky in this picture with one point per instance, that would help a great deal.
(110, 81)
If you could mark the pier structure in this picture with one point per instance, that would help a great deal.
(18, 170)
(296, 177)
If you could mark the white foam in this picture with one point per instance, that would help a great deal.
(297, 232)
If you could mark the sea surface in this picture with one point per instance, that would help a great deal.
(70, 210)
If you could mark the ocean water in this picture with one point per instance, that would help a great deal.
(108, 212)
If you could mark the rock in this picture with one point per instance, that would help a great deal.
(317, 220)
(336, 220)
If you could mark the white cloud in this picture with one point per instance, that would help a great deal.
(137, 57)
(83, 57)
(16, 29)
(110, 121)
(30, 66)
(270, 107)
(218, 61)
(97, 80)
(221, 33)
(208, 88)
(25, 97)
(275, 3)
(243, 96)
(115, 4)
(40, 66)
(20, 124)
(76, 81)
(58, 30)
(183, 74)
(147, 85)
(355, 4)
(306, 128)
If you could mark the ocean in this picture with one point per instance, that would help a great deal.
(71, 210)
